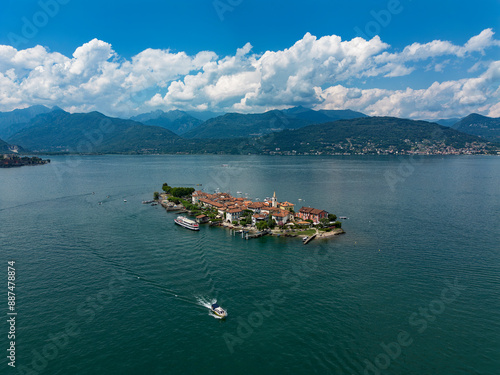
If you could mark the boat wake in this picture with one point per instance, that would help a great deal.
(205, 302)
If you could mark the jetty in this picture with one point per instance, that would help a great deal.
(309, 239)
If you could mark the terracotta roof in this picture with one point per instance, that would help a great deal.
(256, 205)
(259, 216)
(310, 210)
(201, 216)
(234, 210)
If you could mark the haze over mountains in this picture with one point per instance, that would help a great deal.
(42, 129)
(176, 121)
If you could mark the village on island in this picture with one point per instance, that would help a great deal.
(250, 218)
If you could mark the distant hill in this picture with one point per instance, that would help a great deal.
(176, 121)
(482, 126)
(13, 121)
(91, 133)
(323, 115)
(205, 115)
(369, 135)
(449, 122)
(233, 125)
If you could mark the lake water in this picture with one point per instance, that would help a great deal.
(413, 287)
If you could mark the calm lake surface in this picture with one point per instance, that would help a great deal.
(413, 287)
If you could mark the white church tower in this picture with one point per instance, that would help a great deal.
(274, 201)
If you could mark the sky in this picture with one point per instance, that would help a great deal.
(414, 59)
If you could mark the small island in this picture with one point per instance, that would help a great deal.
(251, 219)
(10, 161)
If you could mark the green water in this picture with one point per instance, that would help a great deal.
(117, 288)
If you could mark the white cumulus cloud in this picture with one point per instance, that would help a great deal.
(325, 72)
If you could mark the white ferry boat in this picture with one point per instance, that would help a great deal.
(186, 223)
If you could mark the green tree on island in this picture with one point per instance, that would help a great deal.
(325, 222)
(156, 195)
(261, 225)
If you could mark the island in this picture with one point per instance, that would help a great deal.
(250, 218)
(10, 161)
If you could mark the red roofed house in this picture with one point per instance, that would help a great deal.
(314, 214)
(282, 216)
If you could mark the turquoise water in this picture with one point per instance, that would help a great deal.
(117, 288)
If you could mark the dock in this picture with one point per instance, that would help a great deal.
(257, 235)
(310, 239)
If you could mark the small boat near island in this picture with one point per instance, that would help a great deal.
(186, 223)
(219, 311)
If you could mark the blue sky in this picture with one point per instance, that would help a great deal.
(125, 57)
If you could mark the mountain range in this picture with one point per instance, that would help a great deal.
(369, 135)
(296, 129)
(90, 133)
(234, 125)
(13, 121)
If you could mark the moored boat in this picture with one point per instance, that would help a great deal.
(186, 223)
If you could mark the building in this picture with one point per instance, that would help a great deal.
(233, 214)
(256, 218)
(314, 214)
(202, 219)
(281, 217)
(286, 206)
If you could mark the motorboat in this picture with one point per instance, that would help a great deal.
(219, 311)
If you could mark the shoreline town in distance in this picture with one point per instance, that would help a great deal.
(253, 219)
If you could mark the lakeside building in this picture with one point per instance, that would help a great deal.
(314, 214)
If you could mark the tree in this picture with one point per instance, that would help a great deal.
(271, 222)
(166, 188)
(332, 217)
(337, 224)
(261, 225)
(181, 191)
(324, 222)
(156, 195)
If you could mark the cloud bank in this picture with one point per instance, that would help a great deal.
(323, 73)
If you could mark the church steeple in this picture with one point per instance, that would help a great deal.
(274, 201)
